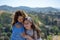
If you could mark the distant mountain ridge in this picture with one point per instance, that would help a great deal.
(28, 9)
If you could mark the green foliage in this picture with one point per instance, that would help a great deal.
(5, 18)
(5, 21)
(55, 30)
(49, 37)
(0, 25)
(5, 25)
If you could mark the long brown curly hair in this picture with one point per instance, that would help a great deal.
(35, 28)
(17, 14)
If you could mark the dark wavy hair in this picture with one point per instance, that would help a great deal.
(17, 14)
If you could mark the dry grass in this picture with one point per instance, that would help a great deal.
(56, 37)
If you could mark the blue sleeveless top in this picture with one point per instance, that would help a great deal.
(16, 32)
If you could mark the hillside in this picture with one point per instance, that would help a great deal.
(46, 18)
(28, 9)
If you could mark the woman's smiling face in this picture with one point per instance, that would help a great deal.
(20, 19)
(27, 24)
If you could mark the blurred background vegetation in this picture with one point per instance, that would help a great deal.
(48, 23)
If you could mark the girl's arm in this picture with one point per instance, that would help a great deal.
(27, 36)
(30, 38)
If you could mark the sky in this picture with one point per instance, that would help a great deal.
(31, 3)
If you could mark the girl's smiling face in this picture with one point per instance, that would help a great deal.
(27, 24)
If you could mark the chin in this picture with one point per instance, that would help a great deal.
(27, 29)
(21, 21)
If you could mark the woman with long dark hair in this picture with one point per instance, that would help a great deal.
(17, 26)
